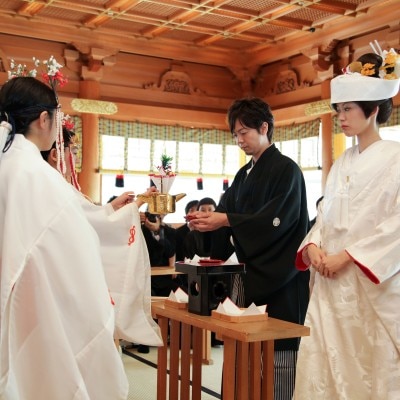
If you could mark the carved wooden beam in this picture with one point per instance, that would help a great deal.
(247, 78)
(93, 59)
(94, 106)
(322, 56)
(318, 108)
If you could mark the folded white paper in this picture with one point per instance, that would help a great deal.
(179, 296)
(194, 260)
(228, 307)
(233, 259)
(163, 182)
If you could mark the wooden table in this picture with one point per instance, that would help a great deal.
(248, 372)
(206, 355)
(156, 271)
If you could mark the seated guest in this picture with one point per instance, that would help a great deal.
(160, 240)
(183, 230)
(196, 242)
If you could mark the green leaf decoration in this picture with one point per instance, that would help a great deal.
(166, 162)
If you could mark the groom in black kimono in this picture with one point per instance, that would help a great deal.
(264, 214)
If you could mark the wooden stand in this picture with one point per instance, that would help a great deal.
(206, 335)
(248, 371)
(239, 318)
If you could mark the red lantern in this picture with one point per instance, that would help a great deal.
(119, 180)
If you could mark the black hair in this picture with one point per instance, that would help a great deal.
(22, 100)
(386, 105)
(192, 203)
(67, 136)
(206, 200)
(385, 109)
(372, 58)
(252, 113)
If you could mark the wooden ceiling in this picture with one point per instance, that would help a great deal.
(233, 33)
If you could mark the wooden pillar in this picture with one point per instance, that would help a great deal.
(89, 177)
(339, 145)
(326, 136)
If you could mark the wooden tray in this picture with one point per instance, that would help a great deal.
(175, 304)
(239, 318)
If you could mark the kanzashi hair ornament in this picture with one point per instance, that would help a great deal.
(360, 83)
(68, 123)
(390, 68)
(61, 167)
(377, 50)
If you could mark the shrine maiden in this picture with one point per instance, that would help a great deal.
(123, 248)
(56, 315)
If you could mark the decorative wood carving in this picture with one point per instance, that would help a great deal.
(248, 78)
(286, 81)
(175, 80)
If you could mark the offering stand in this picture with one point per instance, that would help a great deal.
(209, 283)
(248, 371)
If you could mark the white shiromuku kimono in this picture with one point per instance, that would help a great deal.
(127, 269)
(57, 318)
(353, 352)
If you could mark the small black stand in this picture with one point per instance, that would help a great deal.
(208, 285)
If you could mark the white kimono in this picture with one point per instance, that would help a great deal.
(127, 269)
(353, 352)
(57, 317)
